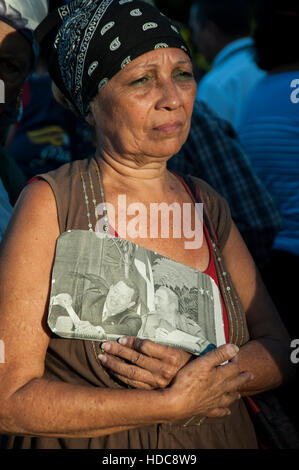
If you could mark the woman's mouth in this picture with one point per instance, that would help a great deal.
(169, 127)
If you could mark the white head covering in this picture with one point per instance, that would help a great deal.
(24, 16)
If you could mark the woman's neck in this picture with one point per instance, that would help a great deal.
(148, 174)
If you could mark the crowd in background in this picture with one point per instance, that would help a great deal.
(244, 137)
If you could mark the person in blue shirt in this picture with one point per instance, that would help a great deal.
(221, 31)
(269, 133)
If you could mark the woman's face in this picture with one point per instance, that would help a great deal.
(15, 61)
(145, 110)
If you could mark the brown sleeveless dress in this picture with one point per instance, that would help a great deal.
(77, 191)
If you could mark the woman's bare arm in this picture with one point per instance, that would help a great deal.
(267, 355)
(31, 405)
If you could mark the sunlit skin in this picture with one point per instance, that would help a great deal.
(143, 114)
(15, 61)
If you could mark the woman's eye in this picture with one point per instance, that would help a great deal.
(183, 75)
(141, 81)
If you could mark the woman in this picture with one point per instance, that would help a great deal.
(142, 111)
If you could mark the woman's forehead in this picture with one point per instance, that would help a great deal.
(173, 56)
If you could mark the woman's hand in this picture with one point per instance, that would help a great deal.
(152, 365)
(141, 363)
(207, 388)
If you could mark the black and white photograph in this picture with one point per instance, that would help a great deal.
(110, 287)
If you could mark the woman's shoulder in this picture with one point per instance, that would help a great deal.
(64, 184)
(35, 213)
(206, 192)
(215, 208)
(67, 171)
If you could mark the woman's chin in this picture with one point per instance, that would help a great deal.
(167, 149)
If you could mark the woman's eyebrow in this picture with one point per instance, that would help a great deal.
(148, 65)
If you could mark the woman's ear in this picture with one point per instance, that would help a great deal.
(90, 119)
(62, 100)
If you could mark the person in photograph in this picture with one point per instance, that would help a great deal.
(115, 311)
(125, 68)
(167, 319)
(70, 324)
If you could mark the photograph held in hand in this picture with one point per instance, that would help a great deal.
(118, 288)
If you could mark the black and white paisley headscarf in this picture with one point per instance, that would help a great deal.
(91, 40)
(24, 16)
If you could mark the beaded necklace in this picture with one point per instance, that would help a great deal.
(94, 200)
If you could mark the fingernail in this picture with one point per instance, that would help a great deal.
(106, 346)
(102, 358)
(228, 413)
(123, 340)
(233, 349)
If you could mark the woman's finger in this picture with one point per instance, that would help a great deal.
(173, 356)
(132, 372)
(132, 383)
(237, 382)
(218, 413)
(228, 398)
(130, 355)
(163, 370)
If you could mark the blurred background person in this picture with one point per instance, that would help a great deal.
(48, 135)
(269, 133)
(18, 51)
(221, 32)
(213, 153)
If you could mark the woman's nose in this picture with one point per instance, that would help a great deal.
(169, 96)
